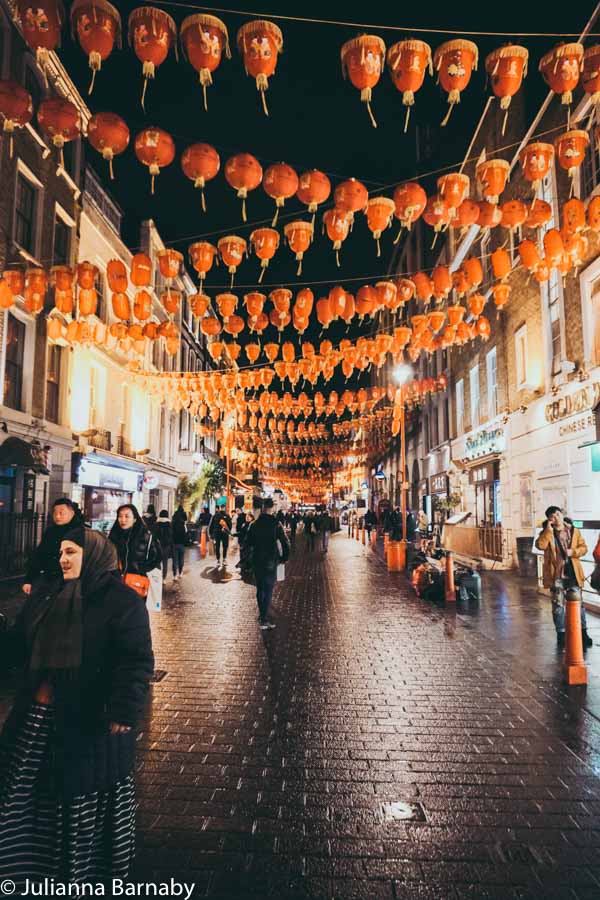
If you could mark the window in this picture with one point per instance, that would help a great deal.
(13, 365)
(492, 384)
(53, 383)
(435, 430)
(460, 406)
(62, 242)
(25, 210)
(521, 356)
(474, 391)
(426, 433)
(589, 173)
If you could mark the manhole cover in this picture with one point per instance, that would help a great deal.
(158, 675)
(398, 811)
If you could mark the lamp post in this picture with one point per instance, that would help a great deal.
(402, 375)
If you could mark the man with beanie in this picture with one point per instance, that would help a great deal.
(263, 539)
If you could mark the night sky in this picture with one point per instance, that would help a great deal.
(316, 121)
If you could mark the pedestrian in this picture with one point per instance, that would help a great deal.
(310, 530)
(220, 530)
(164, 535)
(67, 749)
(325, 527)
(44, 559)
(395, 524)
(137, 551)
(269, 547)
(149, 518)
(293, 522)
(370, 521)
(245, 560)
(563, 546)
(179, 541)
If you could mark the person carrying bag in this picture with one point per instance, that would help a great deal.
(265, 538)
(139, 554)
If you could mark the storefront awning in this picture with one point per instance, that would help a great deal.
(477, 461)
(16, 452)
(105, 458)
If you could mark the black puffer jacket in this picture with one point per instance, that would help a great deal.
(263, 539)
(117, 663)
(137, 550)
(44, 559)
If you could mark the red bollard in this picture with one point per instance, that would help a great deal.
(450, 590)
(574, 666)
(374, 538)
(362, 536)
(203, 544)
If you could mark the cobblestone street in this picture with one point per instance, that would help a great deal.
(283, 764)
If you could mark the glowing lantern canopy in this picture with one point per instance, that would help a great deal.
(424, 286)
(337, 222)
(467, 214)
(351, 196)
(244, 173)
(155, 149)
(561, 68)
(407, 62)
(16, 108)
(362, 62)
(514, 214)
(367, 301)
(379, 212)
(489, 215)
(299, 236)
(453, 188)
(540, 213)
(324, 312)
(454, 61)
(202, 255)
(265, 242)
(232, 250)
(152, 33)
(41, 22)
(501, 294)
(260, 42)
(491, 177)
(590, 77)
(59, 121)
(476, 304)
(573, 216)
(199, 304)
(280, 182)
(529, 255)
(203, 39)
(570, 150)
(280, 315)
(304, 303)
(200, 163)
(506, 67)
(109, 135)
(501, 263)
(437, 215)
(169, 263)
(314, 187)
(98, 27)
(483, 328)
(410, 200)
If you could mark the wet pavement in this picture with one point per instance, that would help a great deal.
(371, 746)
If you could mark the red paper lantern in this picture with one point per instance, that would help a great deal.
(265, 242)
(202, 255)
(280, 182)
(304, 303)
(232, 249)
(506, 67)
(453, 188)
(489, 215)
(410, 200)
(98, 27)
(41, 22)
(152, 33)
(362, 61)
(337, 223)
(540, 213)
(570, 150)
(200, 163)
(466, 215)
(260, 42)
(454, 61)
(514, 214)
(109, 135)
(203, 39)
(561, 68)
(379, 211)
(314, 187)
(169, 263)
(573, 216)
(244, 173)
(299, 236)
(436, 214)
(16, 108)
(155, 149)
(491, 177)
(59, 121)
(408, 61)
(141, 270)
(501, 263)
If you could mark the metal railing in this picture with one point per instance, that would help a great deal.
(479, 541)
(20, 533)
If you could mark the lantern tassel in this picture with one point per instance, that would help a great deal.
(406, 118)
(504, 121)
(260, 277)
(144, 94)
(365, 96)
(378, 247)
(203, 200)
(275, 217)
(11, 145)
(337, 258)
(110, 169)
(453, 99)
(232, 277)
(397, 238)
(152, 184)
(299, 269)
(244, 217)
(91, 87)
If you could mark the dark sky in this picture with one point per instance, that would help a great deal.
(316, 120)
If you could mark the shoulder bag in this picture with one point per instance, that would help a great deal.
(139, 583)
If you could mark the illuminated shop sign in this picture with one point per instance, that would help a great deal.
(582, 400)
(94, 474)
(487, 441)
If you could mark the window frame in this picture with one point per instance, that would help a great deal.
(521, 358)
(459, 407)
(474, 407)
(53, 349)
(24, 174)
(553, 360)
(21, 405)
(492, 408)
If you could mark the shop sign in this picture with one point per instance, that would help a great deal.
(583, 399)
(482, 474)
(111, 477)
(578, 425)
(482, 443)
(151, 479)
(439, 484)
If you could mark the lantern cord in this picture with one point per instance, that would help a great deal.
(337, 258)
(144, 94)
(260, 277)
(203, 199)
(152, 184)
(244, 216)
(371, 116)
(406, 118)
(299, 269)
(264, 102)
(205, 98)
(275, 217)
(446, 118)
(110, 169)
(91, 87)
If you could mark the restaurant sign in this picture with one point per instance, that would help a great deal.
(583, 399)
(488, 440)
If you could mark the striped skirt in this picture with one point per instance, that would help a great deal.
(42, 835)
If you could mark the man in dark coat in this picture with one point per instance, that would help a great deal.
(264, 536)
(66, 515)
(220, 530)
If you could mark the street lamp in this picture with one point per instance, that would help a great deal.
(402, 374)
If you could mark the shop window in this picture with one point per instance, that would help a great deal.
(521, 356)
(13, 363)
(460, 406)
(53, 383)
(25, 214)
(62, 242)
(492, 384)
(474, 396)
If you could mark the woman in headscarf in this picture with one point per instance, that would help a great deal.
(67, 805)
(137, 550)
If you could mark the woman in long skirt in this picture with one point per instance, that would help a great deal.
(67, 804)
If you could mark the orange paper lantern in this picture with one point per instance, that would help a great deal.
(98, 27)
(491, 177)
(536, 160)
(200, 163)
(154, 148)
(561, 68)
(362, 61)
(203, 38)
(314, 187)
(16, 108)
(232, 249)
(244, 173)
(337, 222)
(570, 150)
(202, 255)
(41, 23)
(408, 61)
(265, 242)
(299, 236)
(152, 33)
(506, 67)
(454, 61)
(59, 122)
(280, 182)
(260, 42)
(379, 213)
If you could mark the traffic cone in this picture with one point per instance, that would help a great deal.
(203, 544)
(374, 538)
(574, 666)
(450, 590)
(363, 536)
